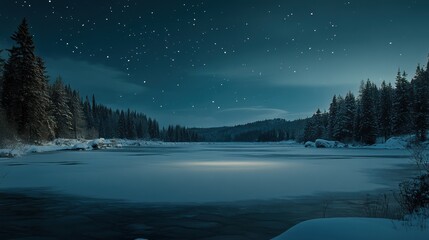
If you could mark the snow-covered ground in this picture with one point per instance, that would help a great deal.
(402, 142)
(19, 149)
(358, 229)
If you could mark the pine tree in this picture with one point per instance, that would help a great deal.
(338, 122)
(348, 117)
(76, 109)
(44, 101)
(2, 62)
(368, 127)
(332, 116)
(25, 96)
(314, 127)
(131, 125)
(386, 108)
(401, 105)
(61, 109)
(122, 125)
(420, 110)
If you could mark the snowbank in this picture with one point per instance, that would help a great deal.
(401, 142)
(356, 229)
(322, 143)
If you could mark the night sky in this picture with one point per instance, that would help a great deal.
(215, 62)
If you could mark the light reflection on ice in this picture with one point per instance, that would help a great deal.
(234, 164)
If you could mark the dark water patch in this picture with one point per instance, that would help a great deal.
(70, 163)
(16, 164)
(145, 154)
(395, 175)
(39, 212)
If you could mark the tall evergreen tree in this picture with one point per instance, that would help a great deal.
(25, 88)
(348, 118)
(420, 109)
(338, 125)
(122, 125)
(332, 117)
(314, 127)
(76, 109)
(2, 62)
(386, 109)
(368, 127)
(401, 105)
(61, 109)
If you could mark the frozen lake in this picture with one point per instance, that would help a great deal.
(221, 172)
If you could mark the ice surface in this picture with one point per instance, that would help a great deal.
(355, 229)
(156, 172)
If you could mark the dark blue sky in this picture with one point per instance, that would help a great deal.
(212, 63)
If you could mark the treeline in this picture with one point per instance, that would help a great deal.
(273, 130)
(383, 111)
(32, 109)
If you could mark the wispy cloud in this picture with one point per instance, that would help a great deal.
(104, 81)
(280, 70)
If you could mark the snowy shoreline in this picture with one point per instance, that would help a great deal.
(19, 149)
(401, 142)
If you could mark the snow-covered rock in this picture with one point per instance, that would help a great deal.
(322, 143)
(356, 229)
(8, 153)
(99, 143)
(309, 144)
(81, 146)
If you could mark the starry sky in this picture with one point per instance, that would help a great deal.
(214, 62)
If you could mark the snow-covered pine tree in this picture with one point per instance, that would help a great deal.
(386, 108)
(61, 110)
(401, 105)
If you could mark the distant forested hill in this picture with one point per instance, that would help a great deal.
(261, 131)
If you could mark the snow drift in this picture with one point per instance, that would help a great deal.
(356, 229)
